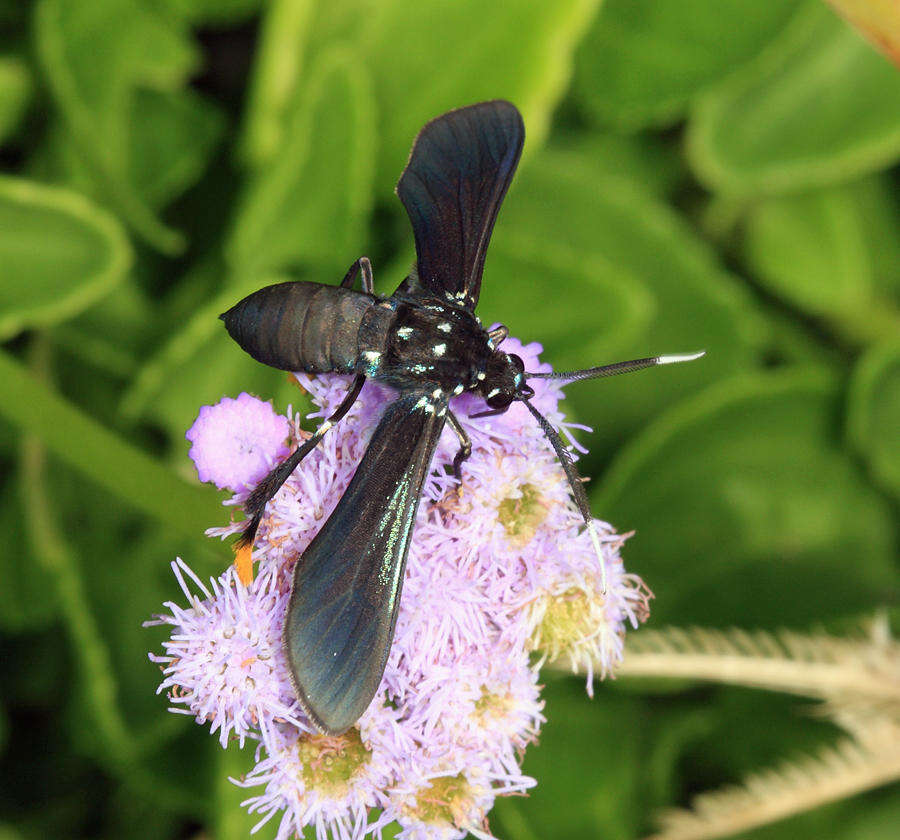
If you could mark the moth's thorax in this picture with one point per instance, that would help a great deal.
(429, 342)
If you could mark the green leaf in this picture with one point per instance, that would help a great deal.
(746, 508)
(877, 821)
(580, 793)
(231, 821)
(138, 817)
(213, 12)
(170, 139)
(112, 575)
(812, 250)
(103, 456)
(652, 162)
(283, 42)
(27, 597)
(58, 254)
(99, 94)
(643, 61)
(602, 763)
(876, 203)
(662, 290)
(820, 106)
(113, 334)
(15, 93)
(520, 281)
(198, 364)
(873, 413)
(90, 646)
(431, 56)
(216, 367)
(311, 203)
(123, 565)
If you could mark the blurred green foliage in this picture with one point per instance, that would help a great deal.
(698, 174)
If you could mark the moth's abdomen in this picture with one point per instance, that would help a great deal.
(300, 326)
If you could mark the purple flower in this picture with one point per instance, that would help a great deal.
(500, 567)
(234, 443)
(224, 663)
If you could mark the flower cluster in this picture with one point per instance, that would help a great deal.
(501, 577)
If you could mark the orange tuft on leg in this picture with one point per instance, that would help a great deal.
(243, 562)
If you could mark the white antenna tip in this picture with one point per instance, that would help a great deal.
(674, 360)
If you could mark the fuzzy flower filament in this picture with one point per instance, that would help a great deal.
(501, 576)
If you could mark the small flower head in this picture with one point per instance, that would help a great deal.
(224, 663)
(234, 443)
(573, 621)
(447, 808)
(500, 567)
(330, 782)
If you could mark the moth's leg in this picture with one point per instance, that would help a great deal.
(465, 445)
(491, 412)
(256, 502)
(368, 282)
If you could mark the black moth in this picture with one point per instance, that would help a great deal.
(426, 342)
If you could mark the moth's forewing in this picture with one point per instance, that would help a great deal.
(346, 588)
(459, 169)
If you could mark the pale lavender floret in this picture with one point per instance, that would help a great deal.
(235, 442)
(490, 563)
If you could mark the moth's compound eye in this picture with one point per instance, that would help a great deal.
(501, 400)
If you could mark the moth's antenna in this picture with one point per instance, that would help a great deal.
(617, 368)
(575, 482)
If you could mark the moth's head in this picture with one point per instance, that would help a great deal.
(504, 382)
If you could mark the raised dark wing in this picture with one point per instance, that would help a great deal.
(459, 169)
(346, 590)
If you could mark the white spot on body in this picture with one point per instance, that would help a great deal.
(444, 327)
(439, 349)
(372, 357)
(404, 332)
(493, 392)
(437, 393)
(458, 390)
(480, 376)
